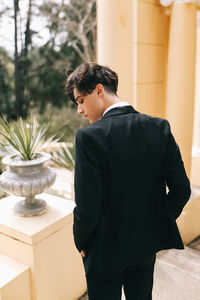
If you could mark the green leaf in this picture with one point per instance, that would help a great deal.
(27, 137)
(65, 157)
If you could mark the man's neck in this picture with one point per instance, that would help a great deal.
(110, 101)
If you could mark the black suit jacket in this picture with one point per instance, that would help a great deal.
(123, 211)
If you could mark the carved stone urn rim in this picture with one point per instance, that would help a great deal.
(15, 160)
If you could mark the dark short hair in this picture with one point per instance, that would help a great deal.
(85, 78)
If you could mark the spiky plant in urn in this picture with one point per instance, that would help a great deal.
(27, 174)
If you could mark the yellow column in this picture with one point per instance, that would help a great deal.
(115, 42)
(181, 76)
(196, 141)
(195, 170)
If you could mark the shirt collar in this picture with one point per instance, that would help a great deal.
(118, 104)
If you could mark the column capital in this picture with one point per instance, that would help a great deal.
(167, 3)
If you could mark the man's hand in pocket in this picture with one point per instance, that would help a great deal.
(83, 253)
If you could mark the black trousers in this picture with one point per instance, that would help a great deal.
(137, 282)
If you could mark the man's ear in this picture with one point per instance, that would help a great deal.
(100, 89)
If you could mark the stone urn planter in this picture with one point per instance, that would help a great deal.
(27, 178)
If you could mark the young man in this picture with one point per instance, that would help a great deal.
(123, 214)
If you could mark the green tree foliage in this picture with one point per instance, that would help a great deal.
(40, 72)
(6, 83)
(47, 78)
(72, 31)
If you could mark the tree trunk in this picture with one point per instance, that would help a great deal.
(17, 86)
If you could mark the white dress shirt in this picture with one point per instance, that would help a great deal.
(118, 104)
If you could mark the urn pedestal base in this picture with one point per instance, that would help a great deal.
(30, 209)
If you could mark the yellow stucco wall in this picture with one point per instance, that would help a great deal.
(195, 167)
(150, 59)
(115, 42)
(195, 171)
(132, 39)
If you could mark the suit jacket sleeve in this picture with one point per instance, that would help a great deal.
(176, 179)
(88, 190)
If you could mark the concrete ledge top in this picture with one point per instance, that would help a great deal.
(10, 269)
(31, 230)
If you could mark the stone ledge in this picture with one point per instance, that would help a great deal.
(31, 230)
(14, 279)
(10, 269)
